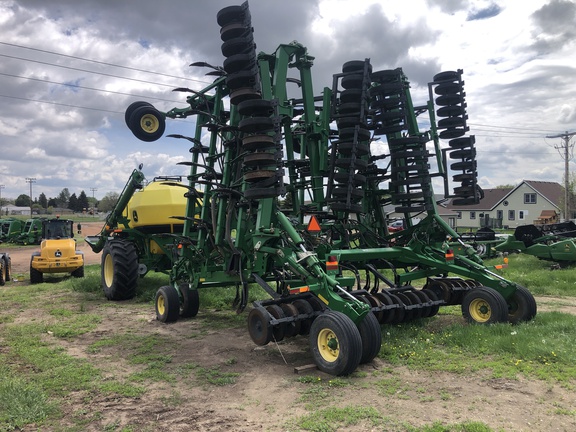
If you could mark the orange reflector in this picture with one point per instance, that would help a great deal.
(299, 290)
(506, 260)
(331, 265)
(449, 255)
(313, 225)
(500, 266)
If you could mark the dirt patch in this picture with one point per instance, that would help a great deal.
(267, 393)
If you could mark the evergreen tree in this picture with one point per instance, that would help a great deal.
(73, 202)
(43, 201)
(83, 201)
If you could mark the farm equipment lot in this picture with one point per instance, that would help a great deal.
(111, 366)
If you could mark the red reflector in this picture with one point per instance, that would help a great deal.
(449, 254)
(299, 290)
(313, 225)
(331, 265)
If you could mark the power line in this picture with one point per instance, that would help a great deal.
(101, 62)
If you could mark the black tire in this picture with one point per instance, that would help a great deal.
(78, 273)
(190, 303)
(147, 123)
(484, 305)
(371, 336)
(229, 14)
(133, 107)
(35, 275)
(259, 327)
(521, 306)
(167, 303)
(336, 343)
(3, 277)
(119, 270)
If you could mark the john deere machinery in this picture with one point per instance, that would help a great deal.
(287, 189)
(138, 235)
(58, 253)
(31, 232)
(10, 229)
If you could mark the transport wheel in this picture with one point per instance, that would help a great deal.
(131, 108)
(521, 306)
(484, 305)
(259, 326)
(167, 304)
(190, 301)
(336, 343)
(119, 270)
(147, 123)
(371, 336)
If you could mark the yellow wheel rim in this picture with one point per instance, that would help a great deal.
(108, 271)
(161, 305)
(480, 310)
(149, 123)
(328, 345)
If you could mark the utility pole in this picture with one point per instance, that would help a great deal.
(1, 187)
(93, 201)
(565, 150)
(30, 180)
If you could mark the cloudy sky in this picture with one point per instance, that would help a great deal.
(69, 69)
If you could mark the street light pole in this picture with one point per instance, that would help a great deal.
(30, 180)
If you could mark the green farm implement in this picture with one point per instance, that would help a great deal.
(287, 188)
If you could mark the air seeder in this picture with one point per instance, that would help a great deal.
(325, 257)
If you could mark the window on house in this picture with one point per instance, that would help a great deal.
(511, 215)
(499, 214)
(521, 214)
(529, 198)
(458, 215)
(472, 215)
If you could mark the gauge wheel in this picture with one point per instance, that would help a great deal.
(147, 123)
(336, 343)
(484, 305)
(167, 303)
(190, 302)
(521, 306)
(371, 336)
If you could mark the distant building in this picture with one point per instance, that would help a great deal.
(531, 202)
(12, 210)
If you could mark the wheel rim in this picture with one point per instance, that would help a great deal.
(480, 310)
(108, 271)
(161, 305)
(149, 123)
(328, 345)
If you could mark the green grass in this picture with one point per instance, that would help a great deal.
(539, 276)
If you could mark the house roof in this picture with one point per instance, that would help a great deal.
(491, 198)
(551, 191)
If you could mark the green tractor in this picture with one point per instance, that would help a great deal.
(10, 229)
(31, 232)
(330, 268)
